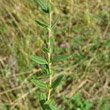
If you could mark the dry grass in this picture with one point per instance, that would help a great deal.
(83, 25)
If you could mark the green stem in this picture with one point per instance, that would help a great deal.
(49, 57)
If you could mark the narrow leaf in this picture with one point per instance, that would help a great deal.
(57, 81)
(42, 96)
(51, 45)
(43, 6)
(42, 24)
(38, 60)
(61, 57)
(56, 20)
(39, 83)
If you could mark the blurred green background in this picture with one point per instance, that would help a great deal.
(82, 30)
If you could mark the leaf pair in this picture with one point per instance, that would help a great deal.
(40, 84)
(41, 60)
(46, 25)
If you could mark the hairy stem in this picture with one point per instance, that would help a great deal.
(49, 57)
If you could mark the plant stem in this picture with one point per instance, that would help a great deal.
(49, 57)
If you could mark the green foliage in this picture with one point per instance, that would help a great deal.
(20, 36)
(61, 57)
(50, 101)
(49, 6)
(77, 41)
(46, 103)
(43, 76)
(51, 45)
(42, 100)
(39, 83)
(57, 81)
(4, 106)
(56, 20)
(44, 68)
(62, 108)
(104, 105)
(45, 50)
(52, 107)
(37, 59)
(42, 24)
(77, 103)
(43, 6)
(42, 97)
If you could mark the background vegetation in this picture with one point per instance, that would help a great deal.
(83, 30)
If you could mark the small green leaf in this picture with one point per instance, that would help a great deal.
(42, 100)
(51, 101)
(62, 108)
(51, 45)
(44, 76)
(57, 81)
(56, 20)
(42, 24)
(45, 50)
(38, 60)
(61, 57)
(52, 107)
(43, 6)
(42, 96)
(44, 68)
(39, 83)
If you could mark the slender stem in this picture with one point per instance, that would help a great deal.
(49, 57)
